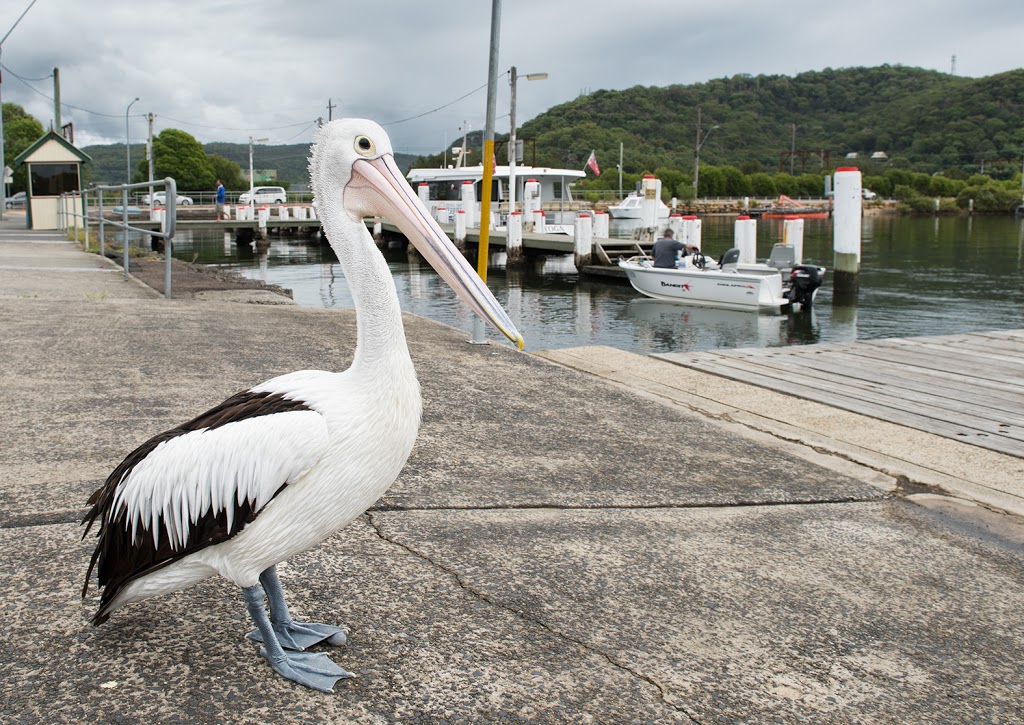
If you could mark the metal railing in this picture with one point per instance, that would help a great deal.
(76, 209)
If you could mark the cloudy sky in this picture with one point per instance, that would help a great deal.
(225, 70)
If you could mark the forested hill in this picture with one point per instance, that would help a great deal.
(922, 120)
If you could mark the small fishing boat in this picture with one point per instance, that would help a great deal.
(699, 280)
(630, 207)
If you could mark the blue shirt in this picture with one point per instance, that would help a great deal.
(220, 193)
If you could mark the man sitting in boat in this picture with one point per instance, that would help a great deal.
(667, 250)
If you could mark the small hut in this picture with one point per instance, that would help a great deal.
(54, 168)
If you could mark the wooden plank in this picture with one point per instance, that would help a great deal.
(968, 387)
(917, 359)
(926, 407)
(734, 369)
(1000, 395)
(899, 382)
(932, 352)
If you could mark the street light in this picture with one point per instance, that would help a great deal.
(251, 178)
(513, 78)
(127, 143)
(696, 152)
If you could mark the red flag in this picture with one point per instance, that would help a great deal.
(592, 163)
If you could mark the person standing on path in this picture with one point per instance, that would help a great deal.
(220, 200)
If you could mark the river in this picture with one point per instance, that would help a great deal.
(919, 276)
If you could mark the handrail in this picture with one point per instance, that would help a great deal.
(68, 215)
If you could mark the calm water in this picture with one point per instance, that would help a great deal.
(919, 276)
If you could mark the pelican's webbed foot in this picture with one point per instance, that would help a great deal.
(311, 669)
(291, 634)
(303, 635)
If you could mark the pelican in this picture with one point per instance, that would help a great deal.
(276, 469)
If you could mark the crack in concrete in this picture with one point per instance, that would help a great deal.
(393, 506)
(664, 693)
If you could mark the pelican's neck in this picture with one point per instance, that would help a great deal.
(381, 348)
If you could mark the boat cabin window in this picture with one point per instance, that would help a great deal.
(446, 190)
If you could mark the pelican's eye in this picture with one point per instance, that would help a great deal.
(364, 146)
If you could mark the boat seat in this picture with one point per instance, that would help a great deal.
(729, 259)
(783, 256)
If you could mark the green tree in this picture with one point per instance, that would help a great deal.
(228, 172)
(711, 181)
(736, 182)
(20, 131)
(178, 155)
(990, 197)
(763, 184)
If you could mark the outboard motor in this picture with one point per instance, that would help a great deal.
(803, 281)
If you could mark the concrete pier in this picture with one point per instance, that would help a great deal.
(581, 535)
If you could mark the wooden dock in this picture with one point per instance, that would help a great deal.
(968, 387)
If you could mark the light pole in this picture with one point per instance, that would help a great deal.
(127, 143)
(251, 178)
(512, 136)
(696, 152)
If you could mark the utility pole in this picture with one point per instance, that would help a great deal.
(56, 99)
(696, 156)
(149, 157)
(486, 161)
(330, 110)
(792, 149)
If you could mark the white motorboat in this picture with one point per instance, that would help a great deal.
(701, 281)
(629, 208)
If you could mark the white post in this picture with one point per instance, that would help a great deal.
(378, 229)
(745, 239)
(538, 221)
(468, 196)
(583, 241)
(846, 220)
(531, 199)
(460, 228)
(651, 188)
(691, 231)
(441, 215)
(424, 192)
(793, 233)
(675, 223)
(514, 239)
(601, 225)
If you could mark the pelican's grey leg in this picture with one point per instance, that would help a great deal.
(291, 634)
(311, 669)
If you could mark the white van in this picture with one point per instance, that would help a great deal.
(264, 195)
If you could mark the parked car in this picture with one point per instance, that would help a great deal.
(264, 195)
(160, 199)
(868, 194)
(15, 201)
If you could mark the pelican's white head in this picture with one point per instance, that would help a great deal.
(354, 174)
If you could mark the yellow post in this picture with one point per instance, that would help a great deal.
(485, 209)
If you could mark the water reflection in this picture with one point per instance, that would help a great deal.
(919, 276)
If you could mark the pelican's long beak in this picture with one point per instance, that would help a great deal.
(379, 188)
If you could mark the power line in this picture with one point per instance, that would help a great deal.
(439, 108)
